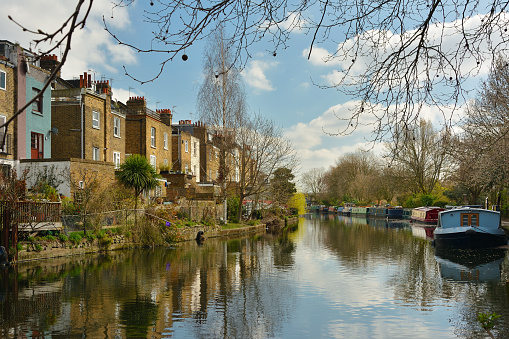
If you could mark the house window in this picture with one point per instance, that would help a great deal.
(194, 170)
(186, 169)
(210, 174)
(81, 185)
(116, 127)
(153, 161)
(153, 136)
(3, 84)
(37, 103)
(195, 148)
(165, 140)
(116, 159)
(186, 146)
(95, 119)
(95, 154)
(210, 154)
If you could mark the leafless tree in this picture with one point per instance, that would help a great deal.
(313, 182)
(262, 150)
(222, 104)
(395, 57)
(482, 148)
(422, 155)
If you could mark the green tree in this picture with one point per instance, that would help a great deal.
(137, 173)
(282, 185)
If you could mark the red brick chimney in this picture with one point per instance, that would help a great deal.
(49, 63)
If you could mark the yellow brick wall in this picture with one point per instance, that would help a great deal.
(7, 104)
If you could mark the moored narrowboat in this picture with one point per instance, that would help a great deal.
(467, 227)
(426, 214)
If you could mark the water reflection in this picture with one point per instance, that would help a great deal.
(470, 265)
(330, 277)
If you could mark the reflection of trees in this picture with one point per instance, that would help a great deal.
(137, 316)
(416, 282)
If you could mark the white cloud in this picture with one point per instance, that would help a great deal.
(362, 52)
(91, 48)
(123, 95)
(254, 75)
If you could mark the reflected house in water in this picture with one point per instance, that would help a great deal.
(470, 265)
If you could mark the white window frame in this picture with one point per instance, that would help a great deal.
(4, 85)
(186, 169)
(96, 120)
(186, 146)
(195, 148)
(153, 137)
(116, 127)
(116, 159)
(96, 155)
(165, 137)
(153, 161)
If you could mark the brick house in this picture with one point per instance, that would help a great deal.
(148, 132)
(185, 153)
(7, 110)
(33, 127)
(208, 156)
(90, 125)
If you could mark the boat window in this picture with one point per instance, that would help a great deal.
(474, 219)
(464, 220)
(468, 219)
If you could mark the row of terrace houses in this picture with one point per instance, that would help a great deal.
(76, 126)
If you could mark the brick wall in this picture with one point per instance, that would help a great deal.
(87, 170)
(7, 107)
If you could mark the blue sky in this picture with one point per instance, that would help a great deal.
(280, 88)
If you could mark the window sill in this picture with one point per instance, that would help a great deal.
(117, 136)
(98, 128)
(37, 113)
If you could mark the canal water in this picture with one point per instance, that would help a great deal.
(330, 277)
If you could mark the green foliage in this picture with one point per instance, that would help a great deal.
(62, 237)
(75, 237)
(38, 247)
(298, 202)
(106, 241)
(49, 237)
(19, 246)
(69, 207)
(233, 207)
(487, 320)
(137, 173)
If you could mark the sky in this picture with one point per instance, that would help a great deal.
(281, 87)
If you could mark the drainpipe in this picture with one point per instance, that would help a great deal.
(82, 90)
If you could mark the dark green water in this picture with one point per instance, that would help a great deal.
(332, 277)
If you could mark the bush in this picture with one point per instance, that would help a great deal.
(75, 238)
(38, 247)
(62, 237)
(19, 246)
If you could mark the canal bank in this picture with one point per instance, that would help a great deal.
(48, 249)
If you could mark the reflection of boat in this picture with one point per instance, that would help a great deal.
(423, 231)
(428, 214)
(386, 223)
(470, 265)
(467, 227)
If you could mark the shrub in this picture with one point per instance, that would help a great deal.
(75, 237)
(38, 247)
(19, 246)
(62, 237)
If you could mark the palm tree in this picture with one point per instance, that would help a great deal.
(138, 174)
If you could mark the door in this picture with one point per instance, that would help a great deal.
(37, 146)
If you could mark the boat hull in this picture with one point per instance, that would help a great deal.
(468, 238)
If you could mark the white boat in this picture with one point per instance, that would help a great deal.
(467, 227)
